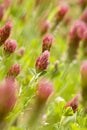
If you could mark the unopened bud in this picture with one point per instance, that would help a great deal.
(14, 71)
(83, 72)
(75, 35)
(47, 42)
(5, 32)
(44, 90)
(42, 61)
(62, 10)
(10, 46)
(73, 103)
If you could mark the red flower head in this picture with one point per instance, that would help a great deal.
(5, 32)
(42, 61)
(62, 10)
(44, 90)
(14, 71)
(10, 46)
(47, 42)
(77, 30)
(73, 103)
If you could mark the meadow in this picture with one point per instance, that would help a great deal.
(43, 65)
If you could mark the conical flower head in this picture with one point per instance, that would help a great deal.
(44, 90)
(77, 30)
(42, 61)
(47, 42)
(10, 46)
(5, 32)
(14, 71)
(73, 103)
(62, 11)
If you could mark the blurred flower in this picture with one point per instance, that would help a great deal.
(2, 11)
(73, 103)
(5, 32)
(44, 90)
(20, 52)
(7, 3)
(83, 72)
(14, 71)
(8, 96)
(75, 35)
(47, 42)
(10, 46)
(62, 10)
(83, 3)
(85, 43)
(45, 25)
(77, 30)
(84, 16)
(42, 61)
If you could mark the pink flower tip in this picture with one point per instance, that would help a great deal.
(8, 26)
(78, 29)
(10, 46)
(5, 32)
(63, 9)
(44, 90)
(73, 103)
(14, 71)
(8, 96)
(42, 61)
(47, 42)
(83, 71)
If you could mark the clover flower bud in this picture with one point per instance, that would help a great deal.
(42, 61)
(5, 32)
(73, 103)
(75, 35)
(83, 72)
(10, 46)
(44, 90)
(62, 11)
(14, 71)
(47, 42)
